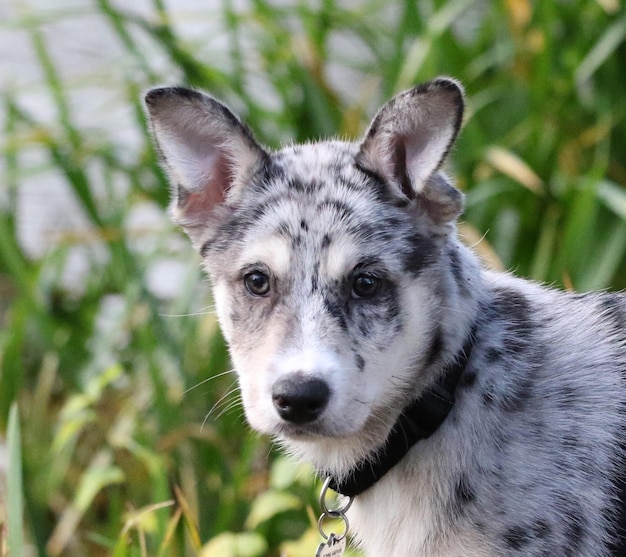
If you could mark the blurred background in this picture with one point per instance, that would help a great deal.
(121, 429)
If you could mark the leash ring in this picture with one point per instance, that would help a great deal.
(333, 514)
(325, 509)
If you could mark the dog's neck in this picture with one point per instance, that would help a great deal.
(419, 420)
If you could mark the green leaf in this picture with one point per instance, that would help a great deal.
(286, 472)
(269, 504)
(228, 544)
(607, 258)
(93, 481)
(613, 196)
(100, 474)
(604, 47)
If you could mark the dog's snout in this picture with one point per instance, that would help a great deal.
(300, 399)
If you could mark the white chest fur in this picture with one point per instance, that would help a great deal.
(406, 513)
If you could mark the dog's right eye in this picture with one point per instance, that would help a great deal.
(365, 285)
(257, 283)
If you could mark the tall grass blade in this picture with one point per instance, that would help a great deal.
(15, 496)
(609, 256)
(601, 51)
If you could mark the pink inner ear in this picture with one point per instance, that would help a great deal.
(214, 183)
(411, 163)
(425, 150)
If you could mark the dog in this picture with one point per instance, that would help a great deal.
(467, 413)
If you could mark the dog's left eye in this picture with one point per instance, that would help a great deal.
(365, 285)
(257, 283)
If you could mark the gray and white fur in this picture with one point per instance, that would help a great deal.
(343, 293)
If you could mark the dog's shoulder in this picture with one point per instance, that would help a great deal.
(543, 404)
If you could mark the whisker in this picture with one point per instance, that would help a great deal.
(234, 387)
(237, 403)
(479, 240)
(208, 379)
(208, 310)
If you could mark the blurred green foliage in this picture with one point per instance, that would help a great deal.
(104, 388)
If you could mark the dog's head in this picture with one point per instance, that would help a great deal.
(325, 258)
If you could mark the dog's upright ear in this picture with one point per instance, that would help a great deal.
(408, 140)
(207, 152)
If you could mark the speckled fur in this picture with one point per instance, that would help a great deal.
(528, 462)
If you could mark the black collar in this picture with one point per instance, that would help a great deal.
(418, 421)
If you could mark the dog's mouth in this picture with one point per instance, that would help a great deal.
(313, 430)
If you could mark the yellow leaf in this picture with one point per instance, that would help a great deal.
(511, 165)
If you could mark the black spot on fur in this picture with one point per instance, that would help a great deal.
(436, 346)
(225, 236)
(541, 528)
(315, 277)
(250, 214)
(568, 397)
(488, 397)
(575, 533)
(378, 314)
(182, 195)
(207, 247)
(337, 312)
(422, 252)
(360, 362)
(464, 492)
(570, 442)
(517, 340)
(361, 229)
(516, 399)
(373, 186)
(284, 229)
(514, 303)
(364, 329)
(518, 320)
(480, 526)
(456, 267)
(468, 379)
(493, 354)
(537, 429)
(575, 528)
(296, 185)
(515, 345)
(228, 233)
(343, 210)
(517, 537)
(326, 241)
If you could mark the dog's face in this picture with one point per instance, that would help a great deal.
(324, 258)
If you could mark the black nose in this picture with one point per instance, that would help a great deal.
(300, 399)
